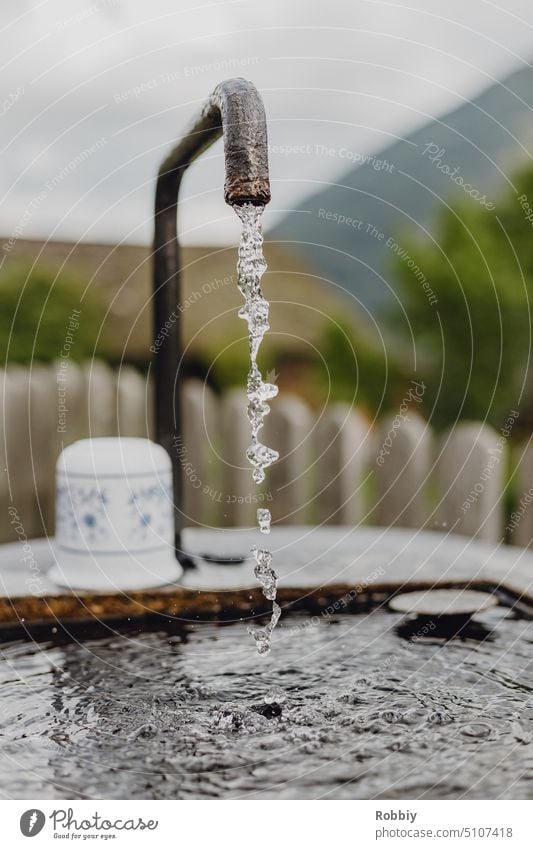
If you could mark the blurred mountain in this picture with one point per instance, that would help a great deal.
(351, 231)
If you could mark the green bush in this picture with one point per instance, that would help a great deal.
(41, 312)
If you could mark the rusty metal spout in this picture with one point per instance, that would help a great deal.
(235, 111)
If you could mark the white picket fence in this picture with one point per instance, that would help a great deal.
(335, 466)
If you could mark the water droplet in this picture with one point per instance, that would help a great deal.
(476, 729)
(264, 573)
(264, 517)
(275, 694)
(440, 717)
(390, 716)
(144, 732)
(260, 456)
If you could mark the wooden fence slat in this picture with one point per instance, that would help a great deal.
(211, 462)
(100, 388)
(403, 463)
(198, 454)
(132, 403)
(18, 453)
(5, 502)
(321, 475)
(288, 429)
(43, 425)
(70, 404)
(239, 494)
(342, 454)
(471, 473)
(150, 406)
(520, 525)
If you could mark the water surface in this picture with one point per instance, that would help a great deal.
(351, 710)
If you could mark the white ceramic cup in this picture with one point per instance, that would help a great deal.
(114, 516)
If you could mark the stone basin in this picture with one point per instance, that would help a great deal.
(141, 696)
(318, 568)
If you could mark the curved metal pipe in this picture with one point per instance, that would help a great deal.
(235, 111)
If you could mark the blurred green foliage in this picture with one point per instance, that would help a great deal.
(463, 308)
(36, 306)
(357, 369)
(473, 343)
(350, 367)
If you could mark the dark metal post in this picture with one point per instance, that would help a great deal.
(235, 111)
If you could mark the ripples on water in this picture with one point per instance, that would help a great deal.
(343, 709)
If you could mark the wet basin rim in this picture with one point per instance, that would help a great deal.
(443, 602)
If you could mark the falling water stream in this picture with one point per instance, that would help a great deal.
(251, 266)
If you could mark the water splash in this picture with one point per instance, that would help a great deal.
(185, 720)
(251, 266)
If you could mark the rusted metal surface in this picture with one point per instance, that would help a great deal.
(235, 111)
(26, 615)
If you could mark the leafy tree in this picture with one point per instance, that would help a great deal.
(473, 342)
(37, 314)
(358, 368)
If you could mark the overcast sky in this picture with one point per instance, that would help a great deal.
(118, 80)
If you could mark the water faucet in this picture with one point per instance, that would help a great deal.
(235, 111)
